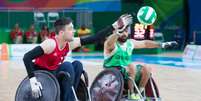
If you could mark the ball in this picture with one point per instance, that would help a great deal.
(146, 15)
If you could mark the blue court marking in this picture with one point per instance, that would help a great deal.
(177, 62)
(169, 61)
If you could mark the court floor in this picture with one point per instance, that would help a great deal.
(176, 80)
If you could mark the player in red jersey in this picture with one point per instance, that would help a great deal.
(50, 54)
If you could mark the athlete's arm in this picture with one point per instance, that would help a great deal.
(120, 24)
(154, 44)
(109, 44)
(100, 35)
(46, 47)
(146, 44)
(77, 42)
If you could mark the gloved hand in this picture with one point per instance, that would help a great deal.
(169, 44)
(118, 32)
(122, 23)
(36, 87)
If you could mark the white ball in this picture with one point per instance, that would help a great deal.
(146, 15)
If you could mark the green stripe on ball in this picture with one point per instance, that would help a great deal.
(146, 15)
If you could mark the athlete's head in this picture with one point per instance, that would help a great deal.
(124, 36)
(64, 27)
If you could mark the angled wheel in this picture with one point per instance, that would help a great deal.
(82, 92)
(107, 86)
(151, 91)
(50, 92)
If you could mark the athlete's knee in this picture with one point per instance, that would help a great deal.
(78, 65)
(68, 67)
(77, 62)
(145, 70)
(131, 68)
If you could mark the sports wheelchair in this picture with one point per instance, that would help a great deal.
(51, 87)
(111, 85)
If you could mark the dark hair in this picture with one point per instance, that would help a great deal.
(60, 23)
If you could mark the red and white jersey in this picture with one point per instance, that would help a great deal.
(53, 60)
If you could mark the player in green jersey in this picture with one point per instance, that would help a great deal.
(118, 52)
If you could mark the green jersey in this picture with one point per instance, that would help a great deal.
(120, 56)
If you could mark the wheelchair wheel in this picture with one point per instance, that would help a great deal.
(151, 91)
(82, 92)
(50, 92)
(107, 86)
(56, 81)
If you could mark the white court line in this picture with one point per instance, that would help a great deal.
(91, 62)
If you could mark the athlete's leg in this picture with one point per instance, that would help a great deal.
(65, 85)
(131, 72)
(78, 68)
(145, 75)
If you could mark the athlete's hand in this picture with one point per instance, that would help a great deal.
(169, 44)
(118, 32)
(122, 23)
(36, 87)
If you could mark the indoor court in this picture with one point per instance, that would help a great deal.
(164, 35)
(175, 83)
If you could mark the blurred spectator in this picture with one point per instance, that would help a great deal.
(83, 32)
(44, 34)
(31, 35)
(16, 34)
